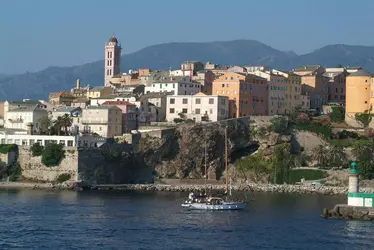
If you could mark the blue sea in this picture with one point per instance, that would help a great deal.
(32, 219)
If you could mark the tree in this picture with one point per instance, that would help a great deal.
(279, 124)
(320, 155)
(45, 124)
(364, 154)
(66, 121)
(52, 154)
(337, 156)
(36, 149)
(337, 115)
(363, 119)
(58, 124)
(282, 162)
(340, 66)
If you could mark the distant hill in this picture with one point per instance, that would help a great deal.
(162, 56)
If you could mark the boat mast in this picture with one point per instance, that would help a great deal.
(226, 168)
(205, 166)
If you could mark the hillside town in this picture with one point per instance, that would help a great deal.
(142, 99)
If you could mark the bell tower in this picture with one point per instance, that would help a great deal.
(112, 59)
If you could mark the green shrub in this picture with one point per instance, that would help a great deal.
(344, 134)
(52, 154)
(308, 174)
(279, 124)
(63, 177)
(36, 149)
(6, 148)
(14, 172)
(324, 131)
(337, 115)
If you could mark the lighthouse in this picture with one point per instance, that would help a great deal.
(355, 198)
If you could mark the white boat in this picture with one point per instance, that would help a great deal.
(204, 202)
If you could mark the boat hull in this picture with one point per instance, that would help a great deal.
(226, 206)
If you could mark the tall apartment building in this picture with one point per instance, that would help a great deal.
(337, 84)
(199, 107)
(292, 90)
(178, 85)
(315, 83)
(277, 87)
(190, 68)
(360, 95)
(248, 94)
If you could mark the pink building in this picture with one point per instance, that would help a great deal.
(128, 114)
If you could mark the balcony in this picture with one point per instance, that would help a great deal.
(18, 120)
(94, 122)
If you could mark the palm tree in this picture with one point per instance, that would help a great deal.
(66, 121)
(337, 156)
(58, 124)
(320, 155)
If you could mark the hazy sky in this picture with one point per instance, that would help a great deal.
(35, 34)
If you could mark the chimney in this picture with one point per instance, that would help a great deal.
(78, 84)
(29, 127)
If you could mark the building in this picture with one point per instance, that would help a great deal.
(309, 70)
(278, 86)
(130, 89)
(129, 114)
(18, 118)
(205, 78)
(352, 69)
(178, 85)
(256, 68)
(248, 94)
(99, 91)
(305, 102)
(78, 90)
(199, 107)
(144, 72)
(112, 59)
(61, 98)
(190, 68)
(292, 90)
(105, 121)
(337, 80)
(80, 102)
(210, 66)
(360, 95)
(124, 80)
(75, 113)
(157, 104)
(237, 69)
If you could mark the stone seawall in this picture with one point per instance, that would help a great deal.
(345, 212)
(34, 169)
(269, 188)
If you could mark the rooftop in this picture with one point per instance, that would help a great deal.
(100, 107)
(96, 88)
(66, 109)
(361, 72)
(27, 109)
(307, 68)
(118, 103)
(28, 102)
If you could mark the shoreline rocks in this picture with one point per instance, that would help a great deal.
(345, 212)
(261, 188)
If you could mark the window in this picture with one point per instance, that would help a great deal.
(341, 90)
(185, 101)
(171, 111)
(197, 101)
(197, 111)
(223, 85)
(184, 111)
(228, 92)
(211, 100)
(172, 101)
(217, 92)
(228, 85)
(223, 92)
(235, 92)
(210, 111)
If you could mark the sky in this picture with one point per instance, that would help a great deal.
(36, 34)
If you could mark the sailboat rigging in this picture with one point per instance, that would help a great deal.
(211, 202)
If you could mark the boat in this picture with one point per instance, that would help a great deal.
(208, 202)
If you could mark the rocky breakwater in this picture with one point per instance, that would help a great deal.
(345, 212)
(268, 188)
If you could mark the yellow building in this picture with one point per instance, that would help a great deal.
(99, 91)
(359, 95)
(292, 91)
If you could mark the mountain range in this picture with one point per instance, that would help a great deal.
(37, 85)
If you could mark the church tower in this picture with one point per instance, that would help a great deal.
(112, 59)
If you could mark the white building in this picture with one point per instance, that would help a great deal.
(199, 107)
(100, 100)
(178, 85)
(18, 118)
(256, 68)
